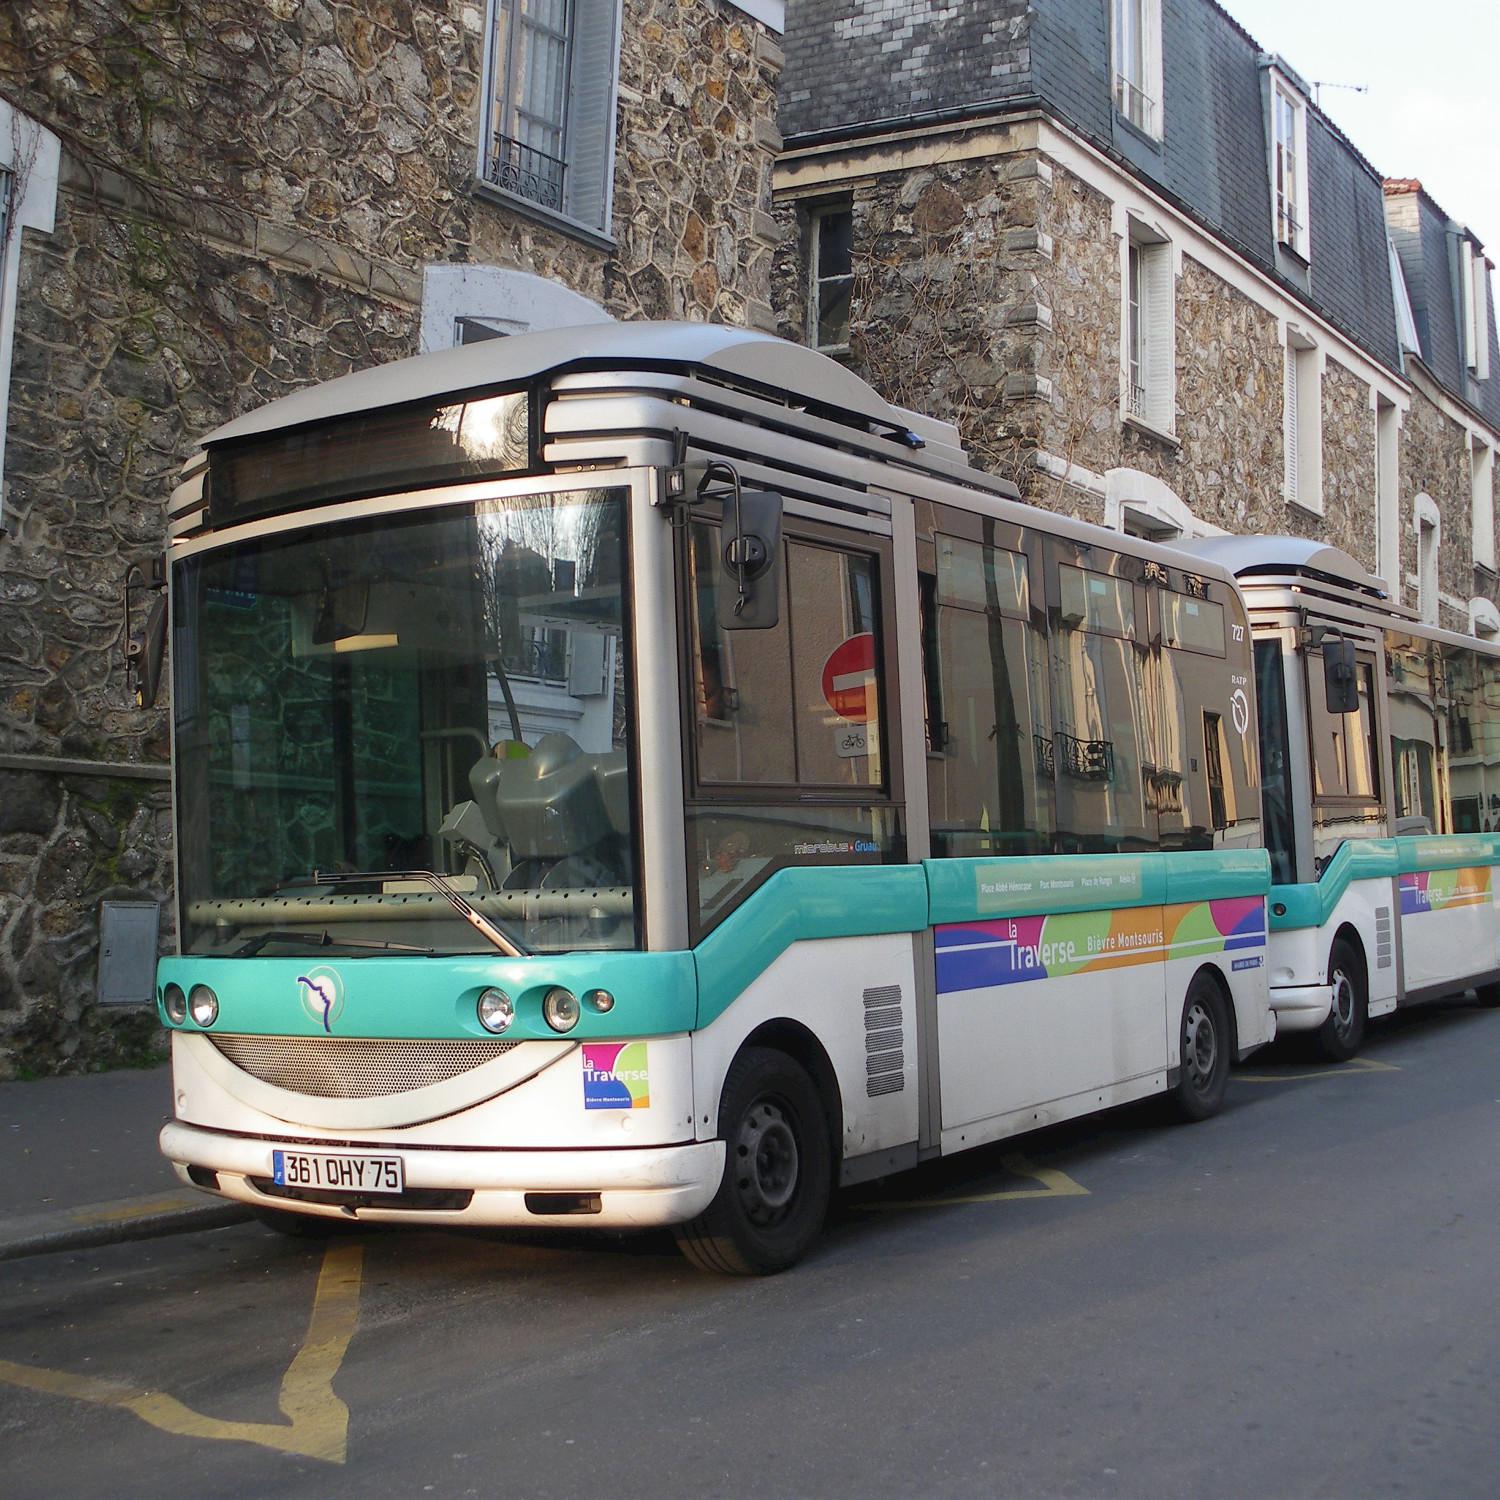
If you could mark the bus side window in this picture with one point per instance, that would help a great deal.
(990, 772)
(1411, 697)
(1099, 708)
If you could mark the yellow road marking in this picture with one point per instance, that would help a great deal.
(1354, 1065)
(1054, 1184)
(134, 1208)
(317, 1420)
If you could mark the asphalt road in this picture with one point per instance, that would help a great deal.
(1298, 1298)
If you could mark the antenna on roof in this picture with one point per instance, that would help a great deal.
(1319, 84)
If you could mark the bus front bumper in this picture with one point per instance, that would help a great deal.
(1301, 1007)
(634, 1188)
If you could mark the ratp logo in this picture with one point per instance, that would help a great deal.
(322, 992)
(616, 1075)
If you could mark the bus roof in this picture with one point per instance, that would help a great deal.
(1247, 556)
(738, 355)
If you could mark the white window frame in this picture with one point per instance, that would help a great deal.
(1302, 422)
(1388, 493)
(31, 157)
(1289, 214)
(1474, 293)
(816, 280)
(581, 196)
(1148, 329)
(1482, 501)
(1136, 63)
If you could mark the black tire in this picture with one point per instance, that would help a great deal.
(1488, 995)
(778, 1171)
(1340, 1037)
(299, 1226)
(1204, 1051)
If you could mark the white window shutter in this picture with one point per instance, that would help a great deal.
(591, 112)
(1160, 337)
(1293, 427)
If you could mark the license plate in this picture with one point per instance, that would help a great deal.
(348, 1174)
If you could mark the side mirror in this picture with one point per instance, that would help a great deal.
(1340, 680)
(751, 598)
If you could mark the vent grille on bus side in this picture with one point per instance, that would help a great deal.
(885, 1060)
(1382, 937)
(340, 1067)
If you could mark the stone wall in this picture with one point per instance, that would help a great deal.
(251, 191)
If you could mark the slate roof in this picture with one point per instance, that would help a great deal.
(855, 65)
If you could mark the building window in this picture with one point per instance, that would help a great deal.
(1150, 331)
(1289, 165)
(1303, 425)
(1429, 525)
(30, 157)
(1474, 289)
(465, 304)
(1387, 494)
(549, 136)
(830, 282)
(1137, 63)
(1482, 487)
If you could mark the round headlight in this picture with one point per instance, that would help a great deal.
(496, 1010)
(204, 1005)
(600, 1000)
(174, 1002)
(560, 1009)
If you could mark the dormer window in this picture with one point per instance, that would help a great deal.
(1289, 165)
(1136, 26)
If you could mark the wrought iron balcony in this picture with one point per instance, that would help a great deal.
(527, 172)
(1087, 760)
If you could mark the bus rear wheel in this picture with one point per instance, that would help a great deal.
(778, 1171)
(1343, 1033)
(1203, 1054)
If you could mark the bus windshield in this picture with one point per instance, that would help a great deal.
(363, 706)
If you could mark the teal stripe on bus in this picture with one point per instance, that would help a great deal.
(800, 905)
(1312, 904)
(660, 994)
(967, 890)
(655, 994)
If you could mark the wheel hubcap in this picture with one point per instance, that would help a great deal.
(1200, 1047)
(1343, 1003)
(766, 1161)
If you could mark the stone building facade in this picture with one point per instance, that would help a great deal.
(1156, 287)
(207, 205)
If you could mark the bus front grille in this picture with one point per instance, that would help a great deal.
(340, 1067)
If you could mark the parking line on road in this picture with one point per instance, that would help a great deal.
(1054, 1184)
(1343, 1070)
(318, 1421)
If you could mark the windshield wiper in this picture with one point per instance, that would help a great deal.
(505, 943)
(325, 940)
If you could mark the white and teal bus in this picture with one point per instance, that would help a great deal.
(635, 776)
(1380, 757)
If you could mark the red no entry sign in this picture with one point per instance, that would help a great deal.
(849, 679)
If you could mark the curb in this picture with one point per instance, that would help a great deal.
(94, 1224)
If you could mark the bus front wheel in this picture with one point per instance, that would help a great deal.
(1204, 1051)
(778, 1171)
(1342, 1034)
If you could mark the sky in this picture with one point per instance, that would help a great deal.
(1432, 71)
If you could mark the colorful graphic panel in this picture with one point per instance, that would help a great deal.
(1010, 950)
(1442, 890)
(616, 1075)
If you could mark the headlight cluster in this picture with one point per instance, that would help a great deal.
(561, 1008)
(200, 1003)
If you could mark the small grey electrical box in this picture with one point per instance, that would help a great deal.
(127, 952)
